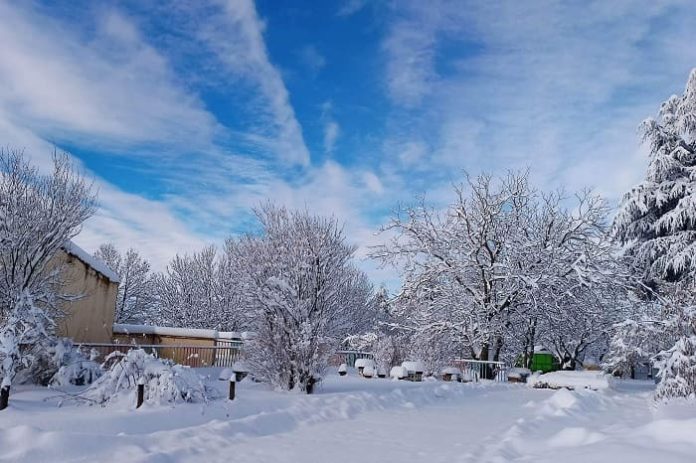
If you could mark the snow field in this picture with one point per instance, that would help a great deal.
(356, 419)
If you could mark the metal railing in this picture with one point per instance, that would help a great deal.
(482, 369)
(348, 357)
(224, 354)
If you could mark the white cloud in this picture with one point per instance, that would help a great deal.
(554, 86)
(410, 50)
(113, 90)
(236, 37)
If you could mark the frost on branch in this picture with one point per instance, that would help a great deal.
(165, 382)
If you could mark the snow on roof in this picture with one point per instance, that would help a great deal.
(123, 328)
(97, 264)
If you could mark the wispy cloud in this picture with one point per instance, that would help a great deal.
(236, 37)
(312, 58)
(559, 87)
(350, 7)
(53, 80)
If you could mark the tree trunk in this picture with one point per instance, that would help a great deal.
(4, 397)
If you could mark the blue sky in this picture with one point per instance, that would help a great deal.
(189, 114)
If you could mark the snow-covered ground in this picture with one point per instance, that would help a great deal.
(352, 419)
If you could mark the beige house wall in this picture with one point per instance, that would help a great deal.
(90, 318)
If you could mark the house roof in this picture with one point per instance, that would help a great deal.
(97, 264)
(123, 328)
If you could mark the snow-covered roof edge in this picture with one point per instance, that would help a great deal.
(97, 264)
(124, 328)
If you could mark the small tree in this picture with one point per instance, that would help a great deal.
(304, 294)
(38, 214)
(135, 298)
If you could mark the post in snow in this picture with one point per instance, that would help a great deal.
(141, 392)
(233, 383)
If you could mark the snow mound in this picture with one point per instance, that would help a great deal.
(574, 437)
(362, 363)
(594, 380)
(165, 382)
(414, 367)
(671, 431)
(398, 373)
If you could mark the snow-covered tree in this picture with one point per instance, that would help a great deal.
(135, 300)
(656, 223)
(500, 261)
(38, 214)
(304, 293)
(201, 290)
(657, 219)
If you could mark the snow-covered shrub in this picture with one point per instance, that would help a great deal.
(74, 366)
(678, 370)
(59, 362)
(165, 382)
(343, 369)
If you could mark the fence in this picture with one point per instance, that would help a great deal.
(482, 369)
(348, 357)
(223, 354)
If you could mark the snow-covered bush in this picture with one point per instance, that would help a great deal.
(59, 362)
(678, 371)
(74, 366)
(165, 382)
(343, 369)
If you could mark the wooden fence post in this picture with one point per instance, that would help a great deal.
(141, 392)
(233, 383)
(4, 397)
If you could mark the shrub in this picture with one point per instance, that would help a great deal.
(165, 382)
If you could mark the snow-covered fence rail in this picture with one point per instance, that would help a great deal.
(482, 369)
(224, 354)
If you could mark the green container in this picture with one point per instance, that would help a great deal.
(543, 361)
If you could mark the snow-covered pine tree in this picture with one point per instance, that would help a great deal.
(38, 214)
(657, 219)
(657, 225)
